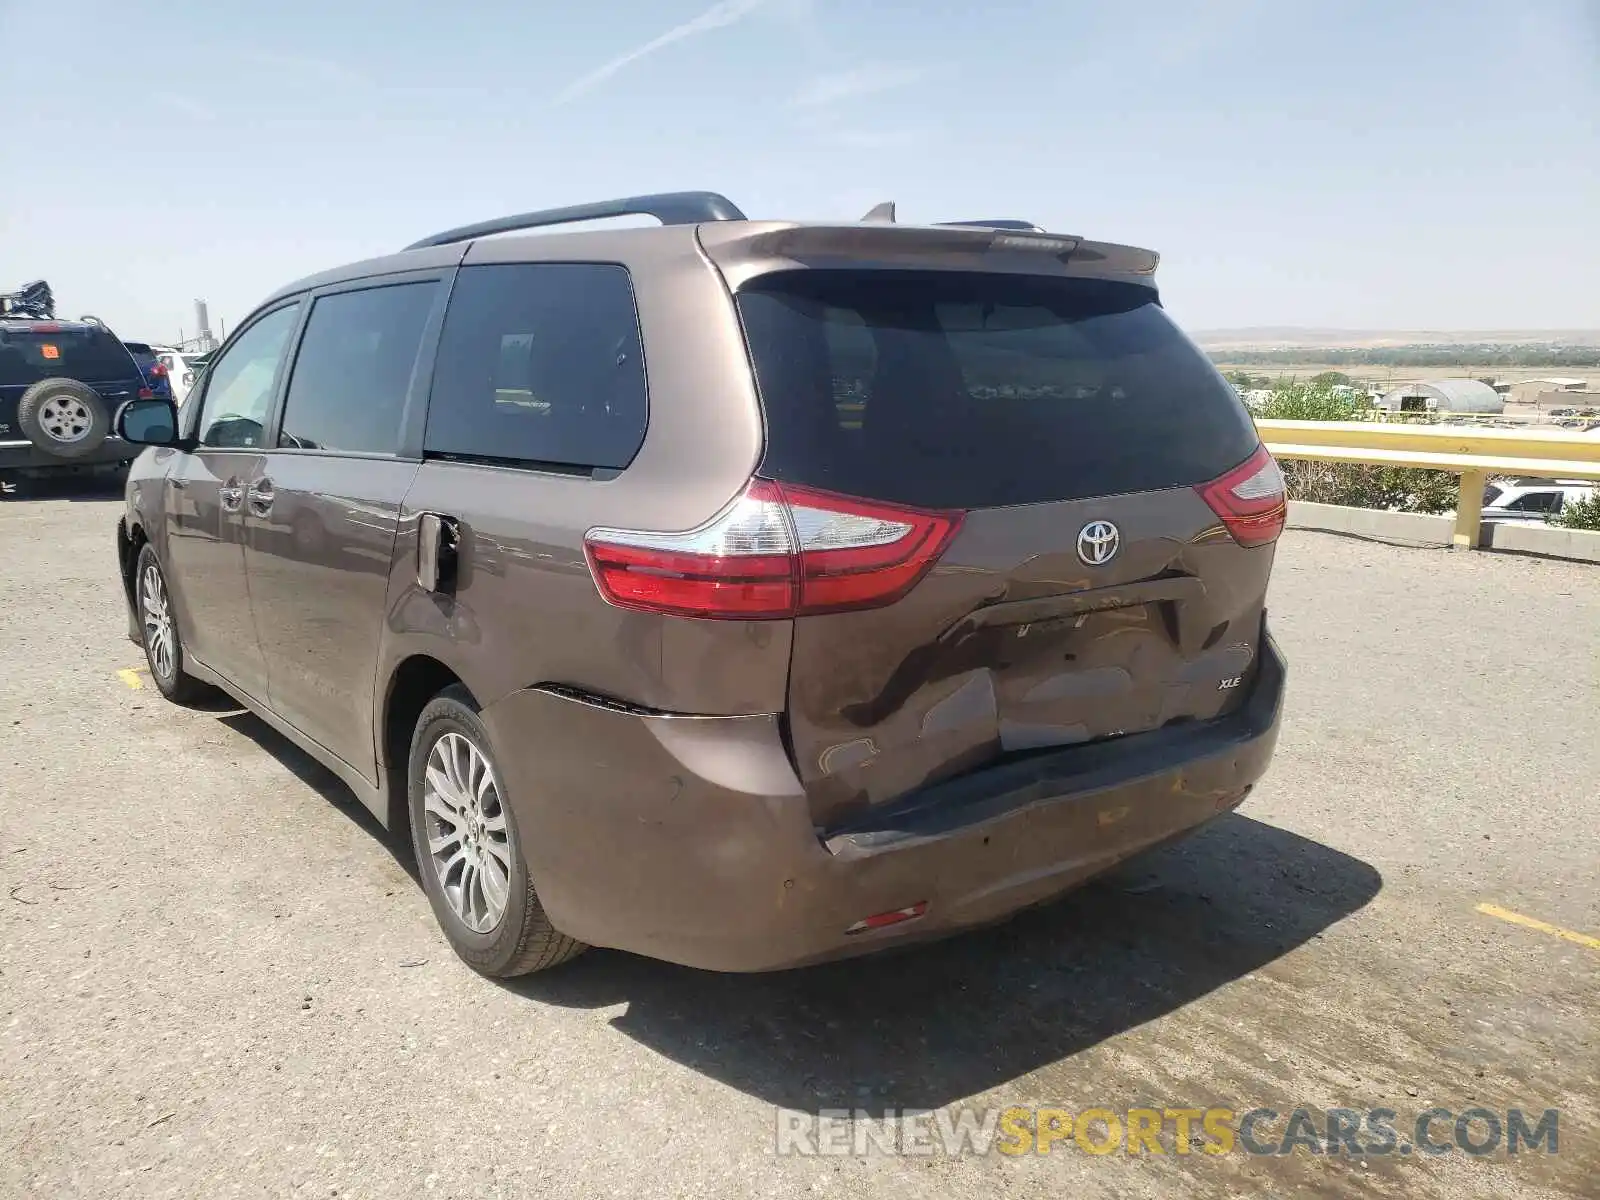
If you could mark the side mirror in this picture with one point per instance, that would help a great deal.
(148, 423)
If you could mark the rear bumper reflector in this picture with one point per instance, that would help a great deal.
(895, 916)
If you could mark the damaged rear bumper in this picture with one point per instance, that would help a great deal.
(690, 838)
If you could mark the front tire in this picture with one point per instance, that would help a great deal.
(467, 847)
(158, 631)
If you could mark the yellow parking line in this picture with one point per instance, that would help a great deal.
(1505, 914)
(130, 676)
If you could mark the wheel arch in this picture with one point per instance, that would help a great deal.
(414, 681)
(131, 540)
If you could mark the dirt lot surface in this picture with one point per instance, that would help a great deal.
(218, 976)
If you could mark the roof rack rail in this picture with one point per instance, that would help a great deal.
(670, 208)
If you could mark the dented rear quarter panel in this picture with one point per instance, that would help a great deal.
(526, 611)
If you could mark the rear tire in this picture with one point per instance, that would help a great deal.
(158, 632)
(64, 418)
(468, 849)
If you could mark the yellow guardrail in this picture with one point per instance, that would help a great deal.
(1472, 453)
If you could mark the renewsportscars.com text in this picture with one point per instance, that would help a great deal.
(963, 1131)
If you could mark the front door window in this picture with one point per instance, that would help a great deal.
(242, 382)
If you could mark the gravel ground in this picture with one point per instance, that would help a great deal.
(218, 977)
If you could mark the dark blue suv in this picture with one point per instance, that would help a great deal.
(151, 366)
(61, 383)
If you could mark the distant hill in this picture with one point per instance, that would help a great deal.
(1274, 337)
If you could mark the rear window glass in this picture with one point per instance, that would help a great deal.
(89, 355)
(966, 390)
(539, 363)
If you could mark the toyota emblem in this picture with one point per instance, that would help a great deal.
(1098, 542)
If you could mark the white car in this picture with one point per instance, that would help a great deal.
(1531, 499)
(180, 371)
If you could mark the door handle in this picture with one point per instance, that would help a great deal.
(231, 495)
(438, 552)
(260, 496)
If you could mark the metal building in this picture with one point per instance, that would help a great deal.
(1444, 395)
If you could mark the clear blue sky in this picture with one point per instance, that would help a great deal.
(1367, 165)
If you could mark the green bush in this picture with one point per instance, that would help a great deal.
(1403, 489)
(1400, 489)
(1311, 402)
(1579, 514)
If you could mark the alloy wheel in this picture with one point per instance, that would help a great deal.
(157, 615)
(468, 842)
(65, 418)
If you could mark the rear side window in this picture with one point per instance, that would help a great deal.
(539, 363)
(87, 355)
(1539, 502)
(968, 390)
(354, 367)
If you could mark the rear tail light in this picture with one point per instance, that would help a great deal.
(776, 551)
(1250, 499)
(159, 370)
(146, 394)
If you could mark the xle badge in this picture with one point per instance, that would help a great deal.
(1227, 685)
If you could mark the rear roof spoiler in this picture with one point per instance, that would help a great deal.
(998, 223)
(745, 250)
(884, 214)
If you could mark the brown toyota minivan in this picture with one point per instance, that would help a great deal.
(741, 593)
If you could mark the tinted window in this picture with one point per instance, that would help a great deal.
(353, 370)
(90, 355)
(242, 380)
(960, 390)
(540, 363)
(1540, 502)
